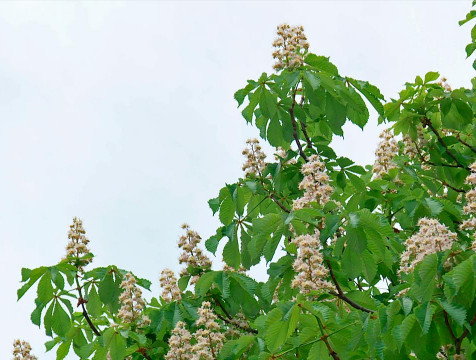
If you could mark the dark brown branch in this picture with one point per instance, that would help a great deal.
(293, 121)
(427, 122)
(340, 294)
(228, 318)
(279, 203)
(143, 352)
(465, 143)
(465, 333)
(81, 302)
(332, 352)
(452, 187)
(447, 322)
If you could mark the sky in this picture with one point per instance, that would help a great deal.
(122, 113)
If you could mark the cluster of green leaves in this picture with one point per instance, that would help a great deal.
(376, 312)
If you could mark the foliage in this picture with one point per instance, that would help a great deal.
(368, 224)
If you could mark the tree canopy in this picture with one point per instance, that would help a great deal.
(374, 262)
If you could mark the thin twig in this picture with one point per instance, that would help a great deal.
(465, 143)
(279, 203)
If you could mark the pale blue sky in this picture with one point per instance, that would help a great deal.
(122, 113)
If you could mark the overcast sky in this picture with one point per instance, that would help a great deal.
(122, 113)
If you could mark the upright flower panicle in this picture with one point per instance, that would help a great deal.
(209, 339)
(132, 303)
(180, 343)
(311, 273)
(22, 351)
(290, 47)
(254, 164)
(192, 255)
(431, 238)
(470, 207)
(386, 151)
(77, 247)
(315, 184)
(168, 283)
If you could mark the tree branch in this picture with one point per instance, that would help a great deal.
(340, 294)
(279, 203)
(428, 123)
(465, 333)
(465, 143)
(228, 318)
(81, 302)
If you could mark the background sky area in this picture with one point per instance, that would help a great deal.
(122, 113)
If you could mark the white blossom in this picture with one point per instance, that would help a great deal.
(22, 351)
(431, 238)
(132, 303)
(315, 184)
(254, 164)
(290, 47)
(192, 255)
(168, 283)
(311, 273)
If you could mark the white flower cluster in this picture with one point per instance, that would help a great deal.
(444, 84)
(470, 207)
(386, 151)
(192, 255)
(22, 351)
(132, 303)
(315, 184)
(431, 238)
(180, 343)
(168, 283)
(311, 273)
(254, 164)
(208, 340)
(281, 154)
(240, 270)
(290, 47)
(78, 245)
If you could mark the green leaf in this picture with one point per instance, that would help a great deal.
(94, 305)
(45, 289)
(205, 282)
(431, 76)
(227, 211)
(336, 114)
(109, 290)
(231, 253)
(183, 282)
(433, 205)
(456, 312)
(117, 347)
(60, 321)
(322, 63)
(369, 266)
(424, 314)
(212, 244)
(274, 133)
(276, 330)
(318, 351)
(63, 350)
